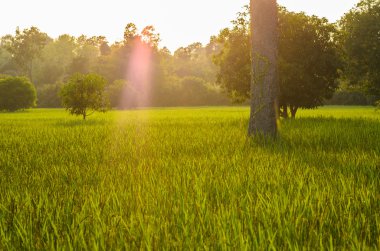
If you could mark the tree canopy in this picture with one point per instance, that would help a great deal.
(84, 94)
(25, 46)
(16, 93)
(360, 39)
(308, 60)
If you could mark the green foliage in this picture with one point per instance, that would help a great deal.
(16, 93)
(84, 93)
(7, 65)
(233, 60)
(308, 60)
(115, 92)
(55, 61)
(348, 97)
(130, 33)
(25, 47)
(48, 96)
(360, 29)
(188, 179)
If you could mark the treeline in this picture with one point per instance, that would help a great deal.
(134, 68)
(319, 62)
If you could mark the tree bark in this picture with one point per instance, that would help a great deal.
(264, 85)
(284, 113)
(293, 111)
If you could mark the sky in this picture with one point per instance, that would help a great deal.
(179, 22)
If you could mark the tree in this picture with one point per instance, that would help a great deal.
(308, 60)
(264, 83)
(84, 94)
(234, 62)
(7, 65)
(130, 33)
(360, 39)
(16, 93)
(48, 95)
(25, 47)
(55, 60)
(150, 37)
(115, 92)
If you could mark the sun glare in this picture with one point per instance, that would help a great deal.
(139, 76)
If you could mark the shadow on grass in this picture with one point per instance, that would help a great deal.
(81, 122)
(324, 134)
(23, 111)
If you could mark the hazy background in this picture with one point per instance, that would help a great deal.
(178, 22)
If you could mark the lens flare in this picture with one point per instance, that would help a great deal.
(139, 76)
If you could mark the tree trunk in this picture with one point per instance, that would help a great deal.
(284, 113)
(264, 86)
(293, 111)
(84, 115)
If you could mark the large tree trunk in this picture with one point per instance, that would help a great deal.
(264, 86)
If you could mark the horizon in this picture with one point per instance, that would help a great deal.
(176, 28)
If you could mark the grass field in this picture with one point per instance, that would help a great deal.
(189, 179)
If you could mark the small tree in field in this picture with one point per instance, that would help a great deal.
(16, 93)
(84, 94)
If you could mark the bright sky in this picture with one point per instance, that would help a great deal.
(179, 22)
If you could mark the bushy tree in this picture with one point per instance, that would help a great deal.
(84, 94)
(16, 93)
(233, 59)
(360, 37)
(308, 60)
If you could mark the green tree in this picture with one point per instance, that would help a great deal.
(48, 95)
(130, 33)
(55, 60)
(25, 47)
(308, 60)
(115, 92)
(84, 94)
(87, 51)
(16, 93)
(7, 65)
(360, 39)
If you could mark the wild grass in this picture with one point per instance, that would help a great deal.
(189, 179)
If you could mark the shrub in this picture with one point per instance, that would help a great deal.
(84, 94)
(16, 93)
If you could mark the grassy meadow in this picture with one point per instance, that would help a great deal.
(189, 179)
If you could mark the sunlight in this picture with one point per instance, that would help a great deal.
(139, 76)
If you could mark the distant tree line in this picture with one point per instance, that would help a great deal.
(316, 60)
(183, 78)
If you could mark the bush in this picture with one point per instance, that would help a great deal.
(16, 93)
(350, 98)
(84, 94)
(48, 96)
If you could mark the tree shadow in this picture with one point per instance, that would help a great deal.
(22, 111)
(331, 145)
(324, 134)
(80, 123)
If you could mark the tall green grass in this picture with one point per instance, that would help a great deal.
(189, 179)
